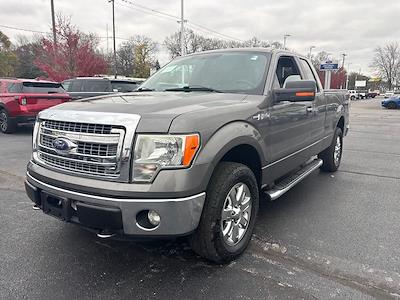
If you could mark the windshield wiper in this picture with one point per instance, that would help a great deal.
(193, 88)
(144, 90)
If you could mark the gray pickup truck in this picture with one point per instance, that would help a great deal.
(189, 153)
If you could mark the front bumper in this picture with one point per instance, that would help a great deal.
(179, 216)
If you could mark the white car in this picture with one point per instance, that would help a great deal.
(389, 94)
(353, 94)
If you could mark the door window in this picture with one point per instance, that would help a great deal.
(287, 67)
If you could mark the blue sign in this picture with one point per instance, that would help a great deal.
(329, 66)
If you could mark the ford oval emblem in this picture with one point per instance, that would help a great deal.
(63, 145)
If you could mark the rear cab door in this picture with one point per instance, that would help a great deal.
(318, 106)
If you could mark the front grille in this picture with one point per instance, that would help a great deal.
(95, 150)
(78, 127)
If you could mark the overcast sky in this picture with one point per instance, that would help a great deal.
(354, 27)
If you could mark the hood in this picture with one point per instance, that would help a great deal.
(157, 109)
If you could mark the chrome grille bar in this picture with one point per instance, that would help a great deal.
(97, 144)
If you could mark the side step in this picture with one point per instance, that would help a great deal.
(287, 183)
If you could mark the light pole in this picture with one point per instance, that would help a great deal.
(309, 53)
(344, 59)
(182, 30)
(284, 40)
(114, 46)
(347, 76)
(53, 21)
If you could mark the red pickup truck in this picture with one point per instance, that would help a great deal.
(22, 99)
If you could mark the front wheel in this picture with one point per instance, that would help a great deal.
(229, 213)
(392, 105)
(332, 155)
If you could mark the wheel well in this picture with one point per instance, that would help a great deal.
(341, 124)
(247, 155)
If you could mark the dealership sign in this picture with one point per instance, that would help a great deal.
(329, 65)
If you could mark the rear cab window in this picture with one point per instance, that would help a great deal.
(97, 85)
(30, 87)
(124, 86)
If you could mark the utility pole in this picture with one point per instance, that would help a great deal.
(347, 76)
(53, 21)
(344, 59)
(309, 53)
(284, 40)
(114, 47)
(182, 30)
(107, 36)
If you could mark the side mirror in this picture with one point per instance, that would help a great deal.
(296, 91)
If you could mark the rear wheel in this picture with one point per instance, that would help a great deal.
(229, 213)
(7, 125)
(332, 155)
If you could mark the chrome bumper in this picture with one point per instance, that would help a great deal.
(178, 216)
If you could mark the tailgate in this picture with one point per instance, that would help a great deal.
(38, 102)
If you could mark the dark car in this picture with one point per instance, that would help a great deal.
(392, 102)
(22, 99)
(84, 87)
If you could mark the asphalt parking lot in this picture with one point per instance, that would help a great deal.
(332, 236)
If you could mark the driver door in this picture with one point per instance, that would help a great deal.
(290, 122)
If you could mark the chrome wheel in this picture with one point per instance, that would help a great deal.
(337, 153)
(236, 213)
(3, 121)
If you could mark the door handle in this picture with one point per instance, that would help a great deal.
(310, 109)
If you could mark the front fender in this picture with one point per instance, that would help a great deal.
(226, 138)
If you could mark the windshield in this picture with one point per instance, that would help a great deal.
(42, 87)
(233, 72)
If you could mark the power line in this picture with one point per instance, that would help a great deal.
(154, 11)
(176, 18)
(24, 29)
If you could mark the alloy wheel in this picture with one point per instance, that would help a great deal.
(236, 214)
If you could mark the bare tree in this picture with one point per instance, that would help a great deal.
(195, 42)
(387, 63)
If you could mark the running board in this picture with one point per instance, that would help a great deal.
(287, 183)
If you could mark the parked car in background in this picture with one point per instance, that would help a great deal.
(84, 87)
(353, 94)
(362, 94)
(372, 94)
(389, 94)
(392, 103)
(22, 99)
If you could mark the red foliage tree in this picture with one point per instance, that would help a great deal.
(74, 55)
(338, 78)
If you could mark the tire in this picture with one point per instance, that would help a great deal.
(332, 155)
(215, 238)
(6, 124)
(352, 98)
(392, 105)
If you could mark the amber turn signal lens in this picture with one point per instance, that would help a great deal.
(304, 94)
(192, 144)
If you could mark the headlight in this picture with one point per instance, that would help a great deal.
(155, 152)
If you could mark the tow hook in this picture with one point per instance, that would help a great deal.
(104, 234)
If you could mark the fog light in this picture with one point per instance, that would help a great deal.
(154, 217)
